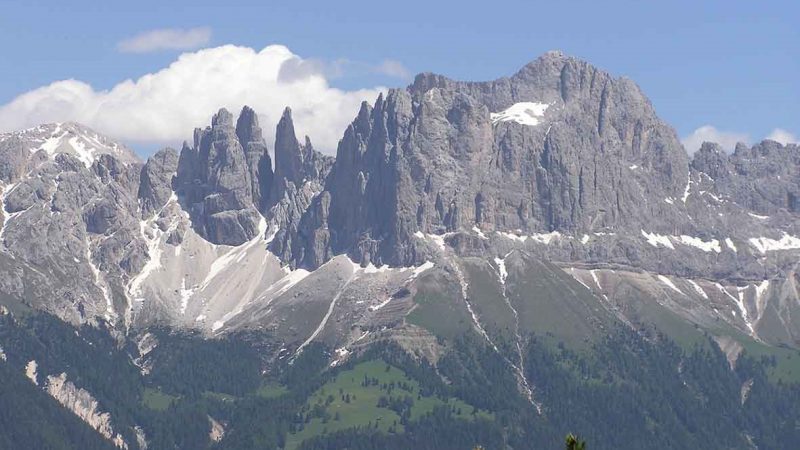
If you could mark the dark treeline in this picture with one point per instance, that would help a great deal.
(625, 392)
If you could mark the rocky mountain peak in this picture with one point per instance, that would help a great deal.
(71, 138)
(712, 160)
(247, 128)
(288, 151)
(547, 149)
(222, 119)
(259, 162)
(216, 180)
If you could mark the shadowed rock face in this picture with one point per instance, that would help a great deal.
(259, 163)
(300, 174)
(221, 183)
(155, 187)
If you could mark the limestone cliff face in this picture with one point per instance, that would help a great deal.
(83, 405)
(764, 178)
(215, 178)
(298, 213)
(69, 235)
(549, 149)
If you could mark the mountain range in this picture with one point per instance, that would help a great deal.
(552, 208)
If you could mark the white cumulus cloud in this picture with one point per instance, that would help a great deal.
(166, 39)
(164, 107)
(783, 136)
(708, 133)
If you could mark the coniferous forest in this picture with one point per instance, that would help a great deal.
(628, 391)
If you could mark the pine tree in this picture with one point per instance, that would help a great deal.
(573, 443)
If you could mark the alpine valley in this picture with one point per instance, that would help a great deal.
(483, 263)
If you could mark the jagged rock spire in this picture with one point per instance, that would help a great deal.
(259, 163)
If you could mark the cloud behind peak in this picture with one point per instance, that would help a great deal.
(165, 106)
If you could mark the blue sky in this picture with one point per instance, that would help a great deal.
(730, 65)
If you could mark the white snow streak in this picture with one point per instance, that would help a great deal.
(101, 284)
(324, 321)
(698, 289)
(185, 294)
(739, 302)
(669, 284)
(6, 216)
(686, 190)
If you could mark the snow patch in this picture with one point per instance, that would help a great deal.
(501, 269)
(658, 239)
(152, 236)
(341, 355)
(765, 244)
(185, 294)
(479, 232)
(542, 238)
(730, 244)
(435, 238)
(706, 246)
(421, 268)
(524, 113)
(758, 216)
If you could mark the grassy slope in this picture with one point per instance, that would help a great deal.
(362, 409)
(439, 307)
(157, 400)
(552, 303)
